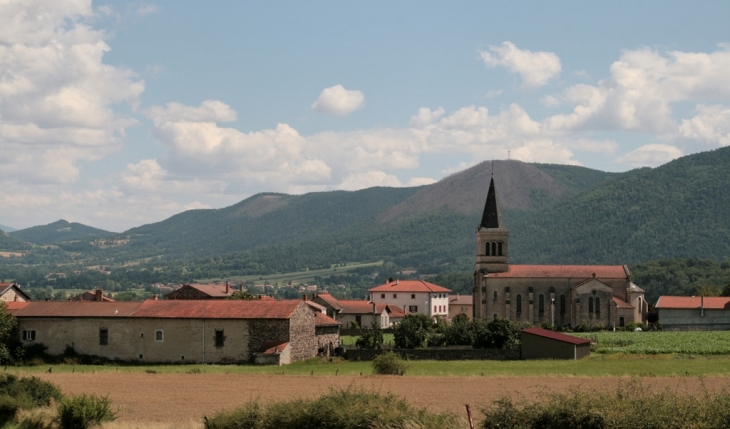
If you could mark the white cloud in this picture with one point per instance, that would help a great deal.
(209, 111)
(368, 180)
(650, 155)
(535, 68)
(145, 9)
(643, 85)
(337, 100)
(711, 124)
(57, 97)
(420, 181)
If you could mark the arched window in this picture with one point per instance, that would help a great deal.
(519, 303)
(598, 305)
(562, 304)
(486, 249)
(499, 248)
(494, 248)
(590, 305)
(541, 304)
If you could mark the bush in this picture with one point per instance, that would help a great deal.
(30, 392)
(345, 409)
(389, 363)
(371, 338)
(413, 331)
(84, 411)
(9, 407)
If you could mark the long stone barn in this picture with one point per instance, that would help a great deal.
(209, 331)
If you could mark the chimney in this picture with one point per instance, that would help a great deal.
(396, 281)
(99, 295)
(228, 289)
(374, 310)
(154, 297)
(304, 297)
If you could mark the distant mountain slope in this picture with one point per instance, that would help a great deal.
(521, 186)
(678, 210)
(8, 242)
(7, 228)
(59, 231)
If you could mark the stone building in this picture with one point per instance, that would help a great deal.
(558, 294)
(209, 331)
(202, 291)
(10, 292)
(359, 311)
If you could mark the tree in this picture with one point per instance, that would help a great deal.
(371, 338)
(726, 290)
(8, 334)
(245, 296)
(497, 334)
(708, 290)
(412, 332)
(460, 331)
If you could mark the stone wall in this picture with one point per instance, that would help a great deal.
(440, 354)
(266, 330)
(301, 333)
(328, 339)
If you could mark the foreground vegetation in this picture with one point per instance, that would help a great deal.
(689, 343)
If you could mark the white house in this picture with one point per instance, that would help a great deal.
(414, 296)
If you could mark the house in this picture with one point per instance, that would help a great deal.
(201, 331)
(563, 295)
(97, 295)
(414, 296)
(202, 291)
(461, 304)
(329, 302)
(363, 313)
(10, 292)
(538, 343)
(694, 312)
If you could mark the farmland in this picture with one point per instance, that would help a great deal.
(688, 343)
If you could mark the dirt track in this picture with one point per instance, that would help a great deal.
(185, 397)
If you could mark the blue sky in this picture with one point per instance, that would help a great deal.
(116, 114)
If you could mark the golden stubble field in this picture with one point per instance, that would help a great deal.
(184, 398)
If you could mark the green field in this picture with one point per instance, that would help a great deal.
(349, 340)
(594, 366)
(301, 276)
(689, 343)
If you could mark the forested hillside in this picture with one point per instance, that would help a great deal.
(59, 231)
(8, 242)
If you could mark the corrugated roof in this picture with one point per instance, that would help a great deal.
(409, 286)
(461, 300)
(694, 302)
(571, 271)
(175, 309)
(272, 348)
(217, 309)
(555, 336)
(78, 309)
(620, 303)
(321, 319)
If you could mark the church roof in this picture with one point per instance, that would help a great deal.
(492, 216)
(571, 271)
(620, 303)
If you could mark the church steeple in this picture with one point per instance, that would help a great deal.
(491, 216)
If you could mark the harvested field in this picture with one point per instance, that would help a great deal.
(182, 398)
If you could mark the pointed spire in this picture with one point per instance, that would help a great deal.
(491, 215)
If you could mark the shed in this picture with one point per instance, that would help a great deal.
(538, 343)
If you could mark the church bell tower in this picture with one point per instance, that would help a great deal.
(492, 249)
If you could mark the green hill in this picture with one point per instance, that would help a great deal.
(7, 228)
(7, 242)
(59, 231)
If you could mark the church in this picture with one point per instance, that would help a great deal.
(562, 295)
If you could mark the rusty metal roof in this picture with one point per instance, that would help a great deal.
(78, 309)
(409, 286)
(14, 306)
(555, 336)
(570, 271)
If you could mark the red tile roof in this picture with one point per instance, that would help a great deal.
(694, 302)
(14, 306)
(571, 271)
(316, 307)
(394, 311)
(78, 309)
(217, 309)
(555, 336)
(329, 299)
(621, 303)
(461, 300)
(321, 319)
(214, 290)
(352, 306)
(272, 348)
(409, 286)
(178, 309)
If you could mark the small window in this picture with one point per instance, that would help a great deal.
(103, 336)
(413, 308)
(382, 295)
(494, 248)
(495, 295)
(620, 321)
(486, 251)
(598, 305)
(141, 356)
(434, 309)
(395, 295)
(182, 357)
(159, 336)
(562, 304)
(413, 296)
(541, 303)
(219, 338)
(499, 248)
(519, 303)
(28, 335)
(590, 305)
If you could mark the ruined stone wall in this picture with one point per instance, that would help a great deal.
(328, 338)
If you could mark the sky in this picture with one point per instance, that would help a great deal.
(117, 114)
